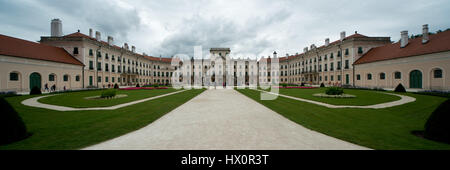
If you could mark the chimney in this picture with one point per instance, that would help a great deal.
(342, 35)
(404, 39)
(425, 35)
(133, 48)
(110, 40)
(274, 54)
(125, 46)
(327, 42)
(98, 36)
(91, 34)
(56, 28)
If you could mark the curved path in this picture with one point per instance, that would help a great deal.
(33, 102)
(403, 100)
(224, 119)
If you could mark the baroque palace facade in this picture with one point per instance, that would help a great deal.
(77, 61)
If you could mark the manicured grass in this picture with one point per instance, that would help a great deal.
(77, 99)
(79, 129)
(388, 128)
(363, 97)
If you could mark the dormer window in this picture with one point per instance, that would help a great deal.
(75, 50)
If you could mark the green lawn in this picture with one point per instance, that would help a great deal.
(388, 128)
(363, 97)
(79, 129)
(77, 99)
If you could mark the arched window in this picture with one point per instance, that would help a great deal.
(437, 73)
(382, 76)
(66, 77)
(51, 77)
(369, 76)
(398, 75)
(14, 76)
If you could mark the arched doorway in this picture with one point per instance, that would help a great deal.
(415, 79)
(35, 80)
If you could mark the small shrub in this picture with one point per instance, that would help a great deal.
(35, 90)
(12, 128)
(334, 91)
(155, 85)
(438, 125)
(400, 88)
(110, 93)
(303, 84)
(116, 86)
(322, 85)
(137, 85)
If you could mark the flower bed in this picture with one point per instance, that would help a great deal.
(143, 88)
(297, 87)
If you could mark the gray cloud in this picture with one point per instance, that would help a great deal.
(251, 26)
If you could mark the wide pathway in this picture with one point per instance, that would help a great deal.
(223, 119)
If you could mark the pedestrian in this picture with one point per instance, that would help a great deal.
(46, 87)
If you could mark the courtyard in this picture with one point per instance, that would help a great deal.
(225, 120)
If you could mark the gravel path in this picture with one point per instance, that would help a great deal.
(223, 119)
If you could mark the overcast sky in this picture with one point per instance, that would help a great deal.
(248, 27)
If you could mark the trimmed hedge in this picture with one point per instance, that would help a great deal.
(438, 125)
(12, 128)
(35, 90)
(110, 93)
(334, 91)
(400, 88)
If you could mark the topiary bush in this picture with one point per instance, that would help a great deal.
(35, 90)
(438, 125)
(322, 85)
(334, 91)
(12, 128)
(400, 88)
(110, 93)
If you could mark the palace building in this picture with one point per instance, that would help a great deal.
(77, 61)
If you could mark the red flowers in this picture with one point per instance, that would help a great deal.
(297, 87)
(143, 88)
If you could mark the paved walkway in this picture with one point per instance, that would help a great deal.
(223, 119)
(33, 102)
(403, 100)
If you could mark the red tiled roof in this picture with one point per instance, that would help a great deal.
(15, 47)
(437, 43)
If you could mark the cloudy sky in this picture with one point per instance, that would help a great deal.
(251, 28)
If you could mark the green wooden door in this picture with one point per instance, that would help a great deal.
(35, 80)
(415, 79)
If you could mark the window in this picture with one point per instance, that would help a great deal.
(106, 56)
(113, 68)
(99, 66)
(339, 65)
(51, 77)
(75, 50)
(360, 50)
(332, 78)
(99, 79)
(13, 76)
(106, 67)
(326, 78)
(346, 64)
(382, 76)
(339, 53)
(91, 65)
(99, 54)
(438, 73)
(112, 79)
(66, 78)
(346, 51)
(77, 78)
(91, 53)
(398, 75)
(358, 77)
(369, 76)
(339, 77)
(106, 79)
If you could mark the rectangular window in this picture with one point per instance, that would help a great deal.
(75, 50)
(77, 78)
(91, 53)
(369, 76)
(438, 73)
(339, 77)
(106, 67)
(113, 68)
(99, 79)
(360, 50)
(51, 77)
(66, 78)
(106, 79)
(398, 75)
(346, 51)
(91, 65)
(346, 64)
(332, 78)
(99, 66)
(358, 77)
